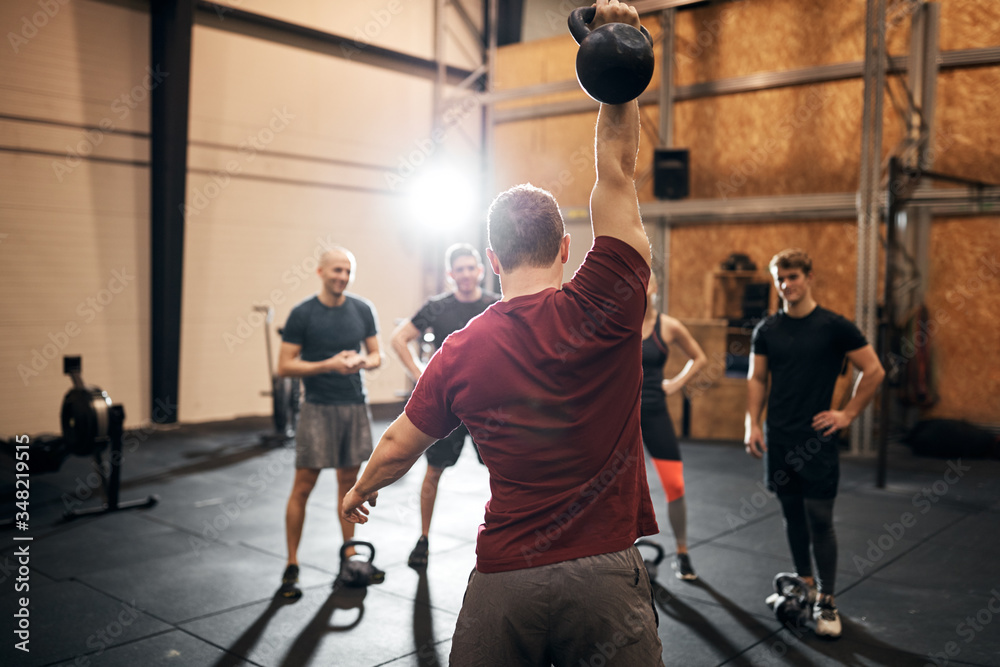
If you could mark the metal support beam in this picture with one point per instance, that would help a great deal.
(666, 99)
(440, 7)
(650, 6)
(171, 23)
(666, 135)
(488, 184)
(869, 211)
(952, 202)
(231, 19)
(983, 57)
(930, 18)
(467, 21)
(887, 327)
(915, 223)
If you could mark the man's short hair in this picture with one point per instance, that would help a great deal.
(525, 227)
(460, 250)
(791, 258)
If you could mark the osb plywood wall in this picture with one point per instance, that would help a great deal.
(739, 38)
(802, 139)
(963, 302)
(557, 153)
(696, 250)
(966, 137)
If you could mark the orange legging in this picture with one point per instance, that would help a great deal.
(671, 476)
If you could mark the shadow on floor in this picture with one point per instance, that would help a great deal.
(245, 643)
(683, 613)
(859, 648)
(423, 624)
(856, 647)
(302, 649)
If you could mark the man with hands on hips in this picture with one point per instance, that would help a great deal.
(802, 350)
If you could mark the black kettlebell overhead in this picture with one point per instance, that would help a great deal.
(615, 62)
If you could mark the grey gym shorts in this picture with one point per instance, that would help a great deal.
(333, 436)
(587, 611)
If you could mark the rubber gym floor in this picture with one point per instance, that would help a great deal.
(191, 580)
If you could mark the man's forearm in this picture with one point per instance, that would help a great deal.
(864, 391)
(297, 367)
(402, 349)
(755, 402)
(388, 463)
(617, 140)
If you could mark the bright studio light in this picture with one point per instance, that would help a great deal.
(442, 198)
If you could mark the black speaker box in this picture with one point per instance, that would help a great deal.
(670, 173)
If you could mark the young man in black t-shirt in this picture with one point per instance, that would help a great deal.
(802, 348)
(442, 314)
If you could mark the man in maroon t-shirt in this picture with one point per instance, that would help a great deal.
(548, 383)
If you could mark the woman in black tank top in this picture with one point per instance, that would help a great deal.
(658, 434)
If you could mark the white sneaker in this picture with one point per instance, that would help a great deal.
(827, 618)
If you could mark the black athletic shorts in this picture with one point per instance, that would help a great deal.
(444, 453)
(809, 468)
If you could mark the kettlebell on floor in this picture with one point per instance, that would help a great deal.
(356, 572)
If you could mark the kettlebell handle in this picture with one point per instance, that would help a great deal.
(660, 553)
(358, 543)
(581, 16)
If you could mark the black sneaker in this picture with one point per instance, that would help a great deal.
(418, 557)
(683, 569)
(288, 589)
